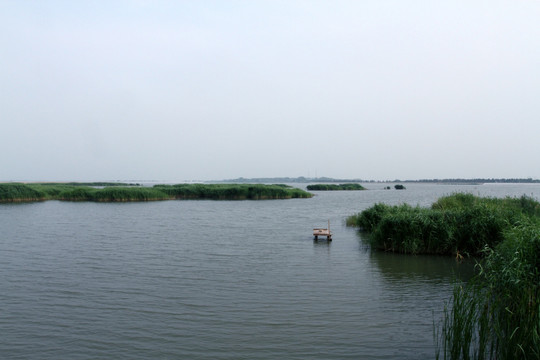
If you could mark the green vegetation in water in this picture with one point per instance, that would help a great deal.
(459, 224)
(496, 315)
(333, 187)
(15, 192)
(232, 191)
(399, 187)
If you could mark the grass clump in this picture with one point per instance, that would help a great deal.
(79, 193)
(232, 191)
(458, 224)
(334, 187)
(497, 314)
(116, 194)
(15, 192)
(76, 192)
(112, 194)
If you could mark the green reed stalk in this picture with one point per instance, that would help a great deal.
(497, 314)
(461, 224)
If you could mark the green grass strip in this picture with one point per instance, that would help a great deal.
(15, 192)
(334, 187)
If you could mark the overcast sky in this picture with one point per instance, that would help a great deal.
(207, 90)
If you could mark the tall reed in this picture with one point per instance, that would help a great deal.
(232, 191)
(15, 192)
(459, 224)
(334, 187)
(76, 192)
(497, 315)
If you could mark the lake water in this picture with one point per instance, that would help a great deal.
(218, 280)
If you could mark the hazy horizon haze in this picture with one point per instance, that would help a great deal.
(209, 90)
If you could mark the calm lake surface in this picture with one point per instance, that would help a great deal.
(218, 280)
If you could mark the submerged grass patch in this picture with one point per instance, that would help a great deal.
(75, 192)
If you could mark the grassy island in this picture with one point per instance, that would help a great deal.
(496, 315)
(232, 191)
(17, 192)
(334, 187)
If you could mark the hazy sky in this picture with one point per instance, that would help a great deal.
(186, 90)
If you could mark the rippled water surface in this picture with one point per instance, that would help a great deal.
(217, 280)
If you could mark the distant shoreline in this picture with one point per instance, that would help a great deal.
(457, 181)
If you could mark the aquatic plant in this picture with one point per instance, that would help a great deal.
(369, 218)
(78, 193)
(334, 187)
(16, 192)
(75, 192)
(232, 191)
(459, 224)
(497, 314)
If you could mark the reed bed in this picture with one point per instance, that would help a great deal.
(76, 192)
(232, 191)
(334, 187)
(459, 224)
(112, 194)
(496, 315)
(15, 192)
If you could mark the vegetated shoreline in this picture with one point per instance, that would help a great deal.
(334, 187)
(103, 192)
(496, 315)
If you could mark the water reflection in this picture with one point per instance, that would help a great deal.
(322, 242)
(403, 267)
(413, 268)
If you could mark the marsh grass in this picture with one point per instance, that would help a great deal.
(75, 192)
(232, 191)
(497, 314)
(112, 194)
(15, 192)
(334, 187)
(460, 224)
